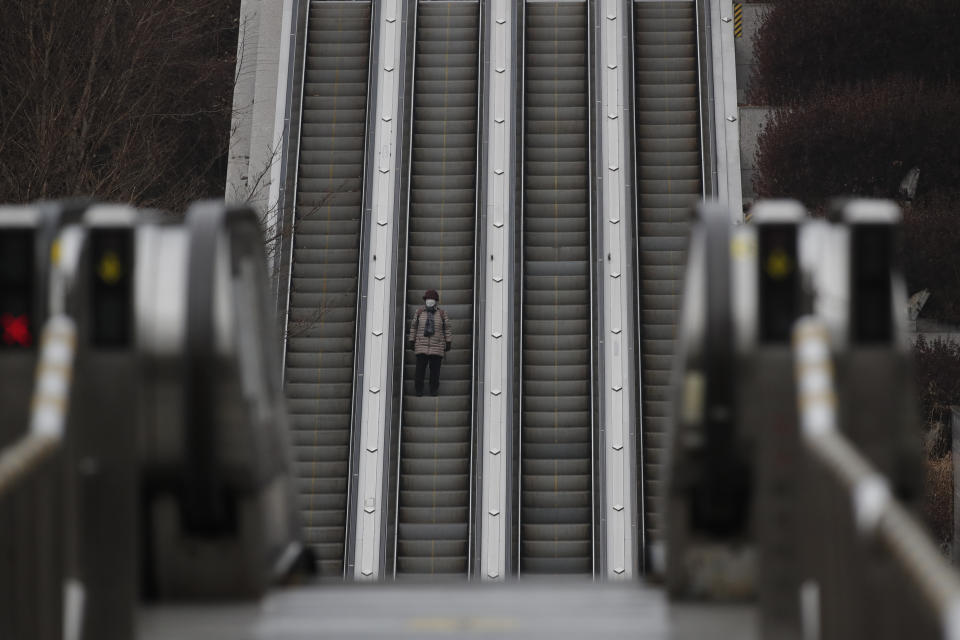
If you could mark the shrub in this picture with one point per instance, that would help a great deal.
(114, 99)
(937, 378)
(861, 141)
(938, 498)
(931, 253)
(806, 45)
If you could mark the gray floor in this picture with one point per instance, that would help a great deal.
(528, 610)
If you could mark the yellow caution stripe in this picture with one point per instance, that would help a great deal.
(737, 20)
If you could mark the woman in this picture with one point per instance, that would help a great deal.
(430, 337)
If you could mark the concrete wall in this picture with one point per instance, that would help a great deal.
(238, 158)
(753, 15)
(253, 146)
(752, 121)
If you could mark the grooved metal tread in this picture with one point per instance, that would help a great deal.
(556, 476)
(323, 294)
(434, 493)
(669, 172)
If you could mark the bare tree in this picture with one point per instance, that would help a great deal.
(117, 99)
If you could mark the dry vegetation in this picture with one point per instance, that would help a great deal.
(122, 100)
(862, 98)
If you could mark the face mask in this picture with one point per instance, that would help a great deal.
(431, 303)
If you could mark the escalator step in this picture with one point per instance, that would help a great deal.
(434, 492)
(322, 311)
(556, 486)
(669, 172)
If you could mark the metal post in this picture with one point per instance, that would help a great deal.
(101, 445)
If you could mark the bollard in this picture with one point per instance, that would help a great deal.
(874, 353)
(772, 269)
(93, 281)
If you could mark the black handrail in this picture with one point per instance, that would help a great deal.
(721, 499)
(205, 506)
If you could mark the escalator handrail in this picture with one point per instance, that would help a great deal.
(202, 501)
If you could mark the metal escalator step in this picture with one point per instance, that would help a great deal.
(556, 500)
(447, 466)
(558, 356)
(537, 200)
(308, 439)
(318, 496)
(566, 324)
(550, 343)
(669, 146)
(324, 502)
(664, 51)
(326, 127)
(439, 492)
(437, 426)
(668, 134)
(553, 483)
(434, 492)
(555, 427)
(563, 404)
(557, 548)
(427, 486)
(556, 375)
(428, 451)
(557, 372)
(662, 64)
(558, 466)
(452, 391)
(536, 448)
(673, 171)
(679, 201)
(550, 252)
(425, 267)
(321, 375)
(431, 547)
(420, 282)
(438, 563)
(427, 515)
(672, 36)
(317, 105)
(567, 217)
(574, 564)
(432, 557)
(674, 107)
(540, 518)
(649, 78)
(558, 282)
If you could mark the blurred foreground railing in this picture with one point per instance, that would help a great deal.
(32, 536)
(869, 568)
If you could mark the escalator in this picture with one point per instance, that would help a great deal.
(434, 488)
(321, 322)
(669, 183)
(555, 458)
